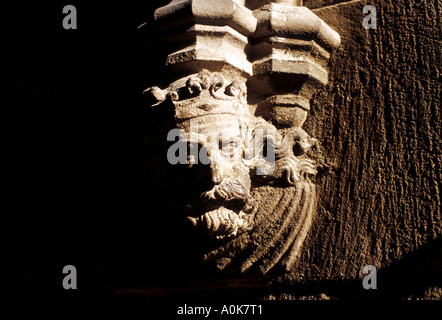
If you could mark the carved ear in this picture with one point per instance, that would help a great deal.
(290, 166)
(302, 142)
(295, 142)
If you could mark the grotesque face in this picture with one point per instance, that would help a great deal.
(226, 210)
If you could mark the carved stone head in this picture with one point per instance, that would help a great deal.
(215, 128)
(246, 72)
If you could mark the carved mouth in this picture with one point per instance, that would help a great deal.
(224, 211)
(221, 223)
(222, 219)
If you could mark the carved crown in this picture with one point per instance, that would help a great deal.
(203, 94)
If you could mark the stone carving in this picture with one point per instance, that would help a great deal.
(244, 72)
(213, 114)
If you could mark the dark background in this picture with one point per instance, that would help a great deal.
(79, 190)
(84, 196)
(78, 142)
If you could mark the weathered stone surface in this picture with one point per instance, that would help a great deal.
(232, 13)
(379, 124)
(215, 46)
(282, 19)
(289, 50)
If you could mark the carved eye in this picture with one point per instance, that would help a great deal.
(228, 147)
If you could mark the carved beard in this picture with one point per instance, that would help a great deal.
(229, 210)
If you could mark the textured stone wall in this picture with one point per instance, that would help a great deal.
(379, 124)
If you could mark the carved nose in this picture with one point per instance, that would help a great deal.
(216, 174)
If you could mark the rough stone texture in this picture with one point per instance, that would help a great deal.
(379, 124)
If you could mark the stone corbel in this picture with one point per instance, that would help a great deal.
(209, 34)
(260, 62)
(290, 50)
(280, 49)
